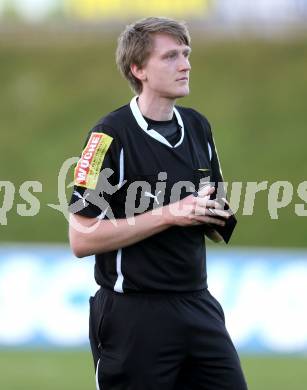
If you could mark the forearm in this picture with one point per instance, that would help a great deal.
(214, 236)
(90, 236)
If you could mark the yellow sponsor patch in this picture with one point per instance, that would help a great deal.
(88, 167)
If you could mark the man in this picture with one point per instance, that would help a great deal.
(142, 205)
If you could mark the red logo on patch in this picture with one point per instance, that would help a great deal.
(84, 164)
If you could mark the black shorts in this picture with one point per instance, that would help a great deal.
(162, 342)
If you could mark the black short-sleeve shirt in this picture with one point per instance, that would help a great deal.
(127, 169)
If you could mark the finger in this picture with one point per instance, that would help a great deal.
(210, 220)
(225, 201)
(225, 204)
(207, 189)
(205, 202)
(204, 210)
(218, 213)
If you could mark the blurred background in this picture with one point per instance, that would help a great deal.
(57, 78)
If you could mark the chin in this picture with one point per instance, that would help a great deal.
(183, 93)
(176, 94)
(179, 93)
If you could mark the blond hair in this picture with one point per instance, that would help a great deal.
(135, 44)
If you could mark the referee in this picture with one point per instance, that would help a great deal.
(146, 193)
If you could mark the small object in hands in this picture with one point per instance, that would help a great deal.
(230, 223)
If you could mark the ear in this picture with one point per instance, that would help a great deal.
(137, 72)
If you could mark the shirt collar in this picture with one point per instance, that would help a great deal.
(151, 132)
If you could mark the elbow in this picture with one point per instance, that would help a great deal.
(217, 240)
(78, 252)
(77, 248)
(83, 237)
(78, 244)
(81, 249)
(216, 237)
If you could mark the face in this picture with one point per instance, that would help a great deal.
(166, 73)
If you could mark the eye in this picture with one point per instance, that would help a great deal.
(171, 55)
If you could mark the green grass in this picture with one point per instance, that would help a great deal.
(253, 92)
(72, 369)
(275, 373)
(37, 370)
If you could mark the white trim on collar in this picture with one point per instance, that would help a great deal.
(151, 132)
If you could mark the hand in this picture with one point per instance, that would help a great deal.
(197, 210)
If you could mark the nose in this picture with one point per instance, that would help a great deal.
(184, 64)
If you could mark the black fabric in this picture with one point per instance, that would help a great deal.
(162, 342)
(175, 259)
(169, 129)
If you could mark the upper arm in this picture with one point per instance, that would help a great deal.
(96, 175)
(95, 180)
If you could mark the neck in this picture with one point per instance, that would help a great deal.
(156, 108)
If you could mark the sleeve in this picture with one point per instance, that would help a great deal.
(96, 174)
(216, 170)
(219, 193)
